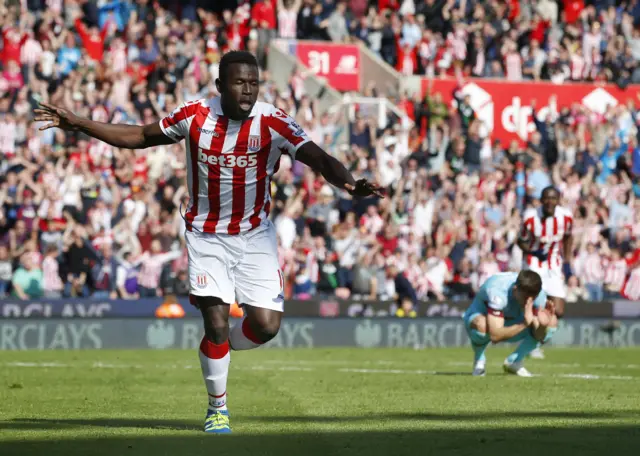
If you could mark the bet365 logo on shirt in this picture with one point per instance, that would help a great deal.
(228, 161)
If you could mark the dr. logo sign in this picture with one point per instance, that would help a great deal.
(227, 160)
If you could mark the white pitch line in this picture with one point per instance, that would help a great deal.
(563, 365)
(301, 362)
(100, 365)
(423, 372)
(22, 364)
(272, 367)
(594, 377)
(387, 371)
(278, 368)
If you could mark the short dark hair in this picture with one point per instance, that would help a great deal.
(530, 283)
(548, 189)
(232, 57)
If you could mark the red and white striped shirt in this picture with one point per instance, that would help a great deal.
(372, 224)
(571, 193)
(118, 53)
(458, 44)
(578, 67)
(31, 52)
(513, 66)
(615, 273)
(426, 49)
(152, 264)
(230, 163)
(592, 272)
(632, 287)
(287, 23)
(546, 234)
(8, 135)
(591, 42)
(50, 276)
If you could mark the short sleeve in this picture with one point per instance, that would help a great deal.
(496, 302)
(286, 134)
(176, 124)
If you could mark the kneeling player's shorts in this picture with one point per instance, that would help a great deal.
(553, 282)
(240, 268)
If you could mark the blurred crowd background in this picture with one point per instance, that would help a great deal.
(81, 218)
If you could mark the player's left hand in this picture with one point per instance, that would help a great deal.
(364, 188)
(566, 269)
(550, 306)
(544, 317)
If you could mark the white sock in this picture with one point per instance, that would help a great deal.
(214, 361)
(242, 338)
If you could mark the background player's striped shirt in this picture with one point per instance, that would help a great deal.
(546, 235)
(230, 163)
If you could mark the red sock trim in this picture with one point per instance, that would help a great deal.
(217, 397)
(213, 351)
(249, 334)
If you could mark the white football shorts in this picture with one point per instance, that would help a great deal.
(240, 268)
(553, 283)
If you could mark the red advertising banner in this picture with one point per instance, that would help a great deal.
(339, 64)
(505, 107)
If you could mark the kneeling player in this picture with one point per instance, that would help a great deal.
(510, 307)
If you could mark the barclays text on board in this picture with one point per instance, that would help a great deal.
(78, 308)
(295, 333)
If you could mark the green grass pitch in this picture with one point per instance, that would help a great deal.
(321, 402)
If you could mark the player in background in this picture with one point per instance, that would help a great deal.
(547, 244)
(509, 307)
(233, 145)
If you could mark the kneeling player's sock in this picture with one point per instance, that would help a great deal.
(214, 360)
(242, 337)
(528, 344)
(479, 343)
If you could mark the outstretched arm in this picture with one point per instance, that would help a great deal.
(333, 171)
(290, 138)
(126, 136)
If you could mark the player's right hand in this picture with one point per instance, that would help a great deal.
(528, 311)
(57, 117)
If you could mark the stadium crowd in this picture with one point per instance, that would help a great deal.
(81, 218)
(569, 40)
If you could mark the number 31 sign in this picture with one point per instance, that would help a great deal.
(338, 63)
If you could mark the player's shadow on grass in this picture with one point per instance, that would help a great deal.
(533, 441)
(36, 423)
(176, 425)
(458, 417)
